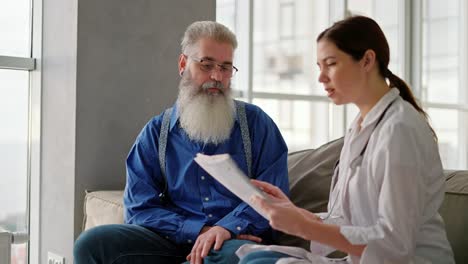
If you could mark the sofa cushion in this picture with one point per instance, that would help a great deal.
(454, 211)
(310, 172)
(103, 207)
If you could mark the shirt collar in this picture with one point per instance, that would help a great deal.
(175, 115)
(381, 105)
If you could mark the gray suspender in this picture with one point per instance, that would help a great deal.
(244, 127)
(163, 140)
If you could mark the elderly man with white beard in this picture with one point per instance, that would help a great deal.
(175, 211)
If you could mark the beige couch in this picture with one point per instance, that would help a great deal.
(310, 177)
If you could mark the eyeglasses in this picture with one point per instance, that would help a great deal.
(206, 65)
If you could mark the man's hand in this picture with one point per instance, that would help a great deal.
(204, 253)
(204, 243)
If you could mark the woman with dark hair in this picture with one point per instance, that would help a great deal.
(388, 185)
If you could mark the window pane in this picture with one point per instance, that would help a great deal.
(15, 28)
(386, 14)
(442, 34)
(284, 51)
(450, 126)
(14, 94)
(19, 253)
(298, 121)
(226, 13)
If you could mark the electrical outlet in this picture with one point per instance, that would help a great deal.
(54, 258)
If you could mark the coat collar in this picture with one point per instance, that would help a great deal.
(359, 139)
(376, 111)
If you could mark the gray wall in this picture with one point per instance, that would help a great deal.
(57, 177)
(108, 67)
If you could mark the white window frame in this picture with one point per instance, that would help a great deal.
(34, 132)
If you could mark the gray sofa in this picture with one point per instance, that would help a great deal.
(310, 177)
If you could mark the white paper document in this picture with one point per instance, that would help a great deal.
(225, 170)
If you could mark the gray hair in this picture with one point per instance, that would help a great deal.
(206, 29)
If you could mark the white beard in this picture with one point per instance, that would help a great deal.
(206, 118)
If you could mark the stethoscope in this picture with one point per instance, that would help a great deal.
(354, 164)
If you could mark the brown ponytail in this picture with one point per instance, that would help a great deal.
(405, 91)
(407, 95)
(357, 34)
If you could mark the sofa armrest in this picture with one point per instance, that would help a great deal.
(103, 207)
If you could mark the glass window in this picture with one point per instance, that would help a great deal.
(226, 13)
(284, 74)
(297, 121)
(448, 125)
(19, 253)
(15, 28)
(444, 63)
(442, 35)
(14, 109)
(284, 56)
(287, 13)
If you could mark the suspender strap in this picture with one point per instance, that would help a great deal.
(244, 127)
(163, 141)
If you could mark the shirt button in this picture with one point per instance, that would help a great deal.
(203, 178)
(210, 215)
(207, 198)
(190, 241)
(238, 228)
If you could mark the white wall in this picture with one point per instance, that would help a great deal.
(108, 66)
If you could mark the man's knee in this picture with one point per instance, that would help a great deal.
(89, 244)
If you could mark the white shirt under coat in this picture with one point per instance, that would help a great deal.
(388, 198)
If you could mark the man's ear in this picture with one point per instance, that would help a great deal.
(368, 60)
(182, 63)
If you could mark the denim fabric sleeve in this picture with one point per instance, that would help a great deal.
(269, 163)
(145, 183)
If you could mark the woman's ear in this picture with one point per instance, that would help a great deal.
(368, 60)
(182, 64)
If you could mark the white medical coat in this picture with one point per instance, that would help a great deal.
(389, 197)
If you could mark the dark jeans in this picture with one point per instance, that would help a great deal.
(119, 244)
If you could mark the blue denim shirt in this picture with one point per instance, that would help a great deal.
(196, 198)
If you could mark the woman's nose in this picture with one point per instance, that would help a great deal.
(322, 77)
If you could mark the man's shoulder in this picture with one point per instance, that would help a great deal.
(155, 122)
(259, 120)
(252, 109)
